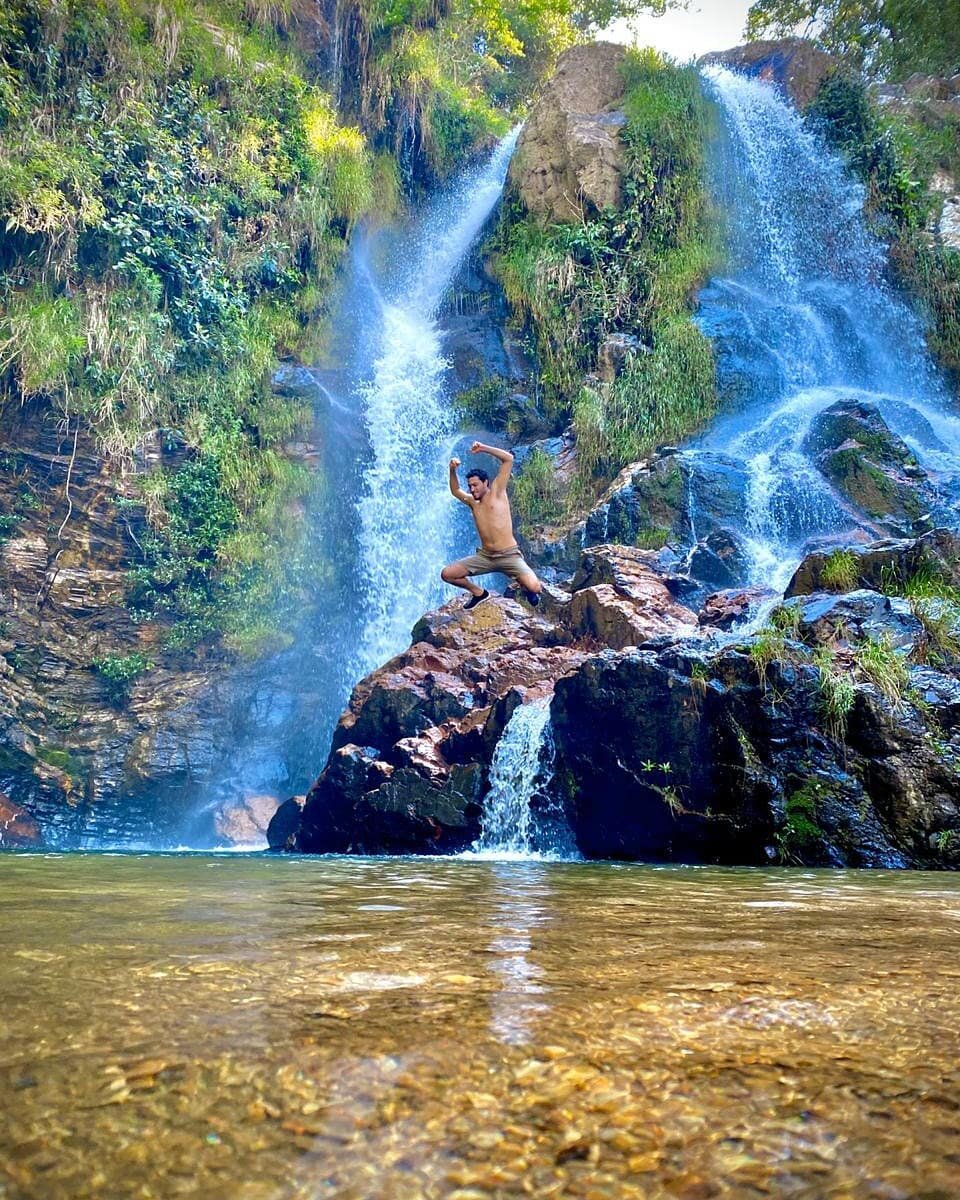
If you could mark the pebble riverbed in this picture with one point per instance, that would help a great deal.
(257, 1028)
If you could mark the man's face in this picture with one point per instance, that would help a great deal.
(478, 487)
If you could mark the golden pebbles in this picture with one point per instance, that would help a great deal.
(280, 1029)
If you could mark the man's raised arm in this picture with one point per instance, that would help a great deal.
(455, 488)
(506, 462)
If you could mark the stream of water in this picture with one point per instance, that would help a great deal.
(803, 318)
(296, 1029)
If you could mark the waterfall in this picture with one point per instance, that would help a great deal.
(405, 512)
(521, 768)
(380, 518)
(803, 319)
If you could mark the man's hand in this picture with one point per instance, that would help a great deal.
(454, 463)
(478, 448)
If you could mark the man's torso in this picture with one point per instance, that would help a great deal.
(494, 522)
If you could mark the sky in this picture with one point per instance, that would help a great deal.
(687, 33)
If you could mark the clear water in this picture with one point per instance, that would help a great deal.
(803, 318)
(265, 1029)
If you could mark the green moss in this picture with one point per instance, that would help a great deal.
(62, 760)
(801, 837)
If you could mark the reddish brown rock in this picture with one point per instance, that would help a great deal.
(723, 609)
(246, 823)
(18, 830)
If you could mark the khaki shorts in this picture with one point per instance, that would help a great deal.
(485, 562)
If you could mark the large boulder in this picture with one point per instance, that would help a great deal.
(870, 466)
(568, 158)
(796, 65)
(887, 565)
(702, 759)
(411, 755)
(18, 830)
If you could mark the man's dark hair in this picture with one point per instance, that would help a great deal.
(480, 474)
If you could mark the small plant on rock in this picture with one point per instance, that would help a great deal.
(837, 693)
(840, 571)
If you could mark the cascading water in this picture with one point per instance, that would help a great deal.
(521, 768)
(405, 511)
(381, 524)
(804, 319)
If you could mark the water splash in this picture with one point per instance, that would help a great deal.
(520, 770)
(805, 318)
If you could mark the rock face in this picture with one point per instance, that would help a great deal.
(18, 830)
(869, 465)
(568, 158)
(411, 754)
(795, 64)
(671, 745)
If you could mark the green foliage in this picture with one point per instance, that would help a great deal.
(896, 156)
(891, 38)
(883, 666)
(119, 672)
(175, 166)
(840, 571)
(800, 836)
(629, 270)
(837, 693)
(483, 402)
(536, 492)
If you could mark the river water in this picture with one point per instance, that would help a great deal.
(259, 1028)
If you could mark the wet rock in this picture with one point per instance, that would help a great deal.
(796, 65)
(851, 618)
(246, 823)
(285, 824)
(869, 465)
(18, 830)
(568, 158)
(888, 564)
(718, 560)
(561, 450)
(701, 760)
(615, 352)
(724, 609)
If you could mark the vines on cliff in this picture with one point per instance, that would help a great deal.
(631, 270)
(175, 196)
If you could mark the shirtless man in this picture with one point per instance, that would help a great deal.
(498, 549)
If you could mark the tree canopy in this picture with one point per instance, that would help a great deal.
(888, 38)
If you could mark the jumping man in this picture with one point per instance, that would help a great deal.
(498, 549)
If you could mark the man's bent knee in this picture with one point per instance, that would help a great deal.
(453, 573)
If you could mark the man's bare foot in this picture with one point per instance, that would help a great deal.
(475, 600)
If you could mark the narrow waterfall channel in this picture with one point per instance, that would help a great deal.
(406, 531)
(522, 767)
(803, 318)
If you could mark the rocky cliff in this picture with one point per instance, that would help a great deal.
(827, 735)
